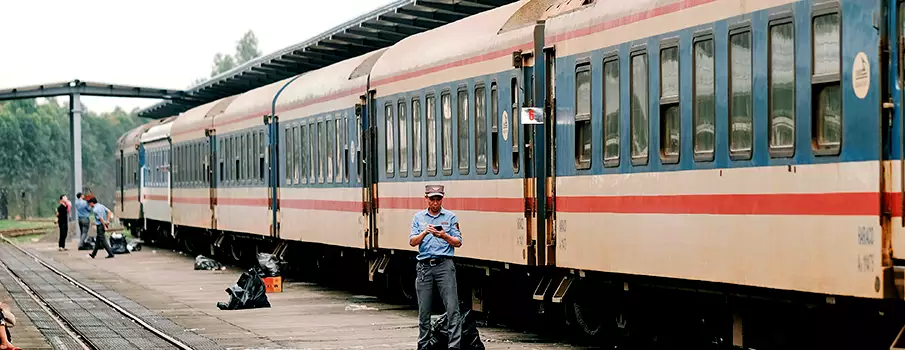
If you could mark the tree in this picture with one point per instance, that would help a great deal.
(246, 50)
(222, 63)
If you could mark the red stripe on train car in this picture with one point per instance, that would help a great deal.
(311, 204)
(499, 205)
(836, 204)
(192, 200)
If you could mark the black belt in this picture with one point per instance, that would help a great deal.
(433, 261)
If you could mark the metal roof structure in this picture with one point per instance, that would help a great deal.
(377, 29)
(86, 88)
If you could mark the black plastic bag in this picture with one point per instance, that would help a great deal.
(88, 244)
(204, 263)
(269, 264)
(118, 244)
(439, 339)
(249, 292)
(135, 245)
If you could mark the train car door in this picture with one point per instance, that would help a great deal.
(210, 144)
(549, 176)
(121, 177)
(367, 165)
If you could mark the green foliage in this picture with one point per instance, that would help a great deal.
(246, 50)
(36, 154)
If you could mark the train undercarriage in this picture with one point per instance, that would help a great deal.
(580, 307)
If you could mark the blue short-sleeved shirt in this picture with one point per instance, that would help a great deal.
(81, 208)
(100, 211)
(431, 246)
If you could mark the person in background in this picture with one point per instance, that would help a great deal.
(7, 321)
(63, 221)
(82, 210)
(101, 214)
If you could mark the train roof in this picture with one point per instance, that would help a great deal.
(192, 124)
(464, 42)
(128, 142)
(158, 132)
(344, 79)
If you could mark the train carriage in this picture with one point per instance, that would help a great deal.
(193, 196)
(129, 162)
(319, 175)
(157, 191)
(243, 186)
(444, 116)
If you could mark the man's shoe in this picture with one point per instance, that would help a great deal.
(91, 256)
(108, 257)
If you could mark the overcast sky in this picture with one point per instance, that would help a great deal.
(158, 43)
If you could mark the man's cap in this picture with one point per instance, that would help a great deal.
(434, 190)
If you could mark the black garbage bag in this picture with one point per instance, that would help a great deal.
(249, 292)
(204, 263)
(118, 244)
(135, 245)
(88, 244)
(269, 264)
(439, 338)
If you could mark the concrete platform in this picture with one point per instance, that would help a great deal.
(303, 316)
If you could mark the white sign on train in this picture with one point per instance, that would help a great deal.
(532, 115)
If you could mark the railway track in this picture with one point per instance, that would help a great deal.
(67, 319)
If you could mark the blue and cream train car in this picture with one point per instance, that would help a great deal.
(695, 156)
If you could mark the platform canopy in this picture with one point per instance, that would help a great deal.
(380, 28)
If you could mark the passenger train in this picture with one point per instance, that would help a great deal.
(738, 160)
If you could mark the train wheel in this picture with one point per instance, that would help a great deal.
(235, 250)
(597, 315)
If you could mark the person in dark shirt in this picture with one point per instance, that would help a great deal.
(63, 221)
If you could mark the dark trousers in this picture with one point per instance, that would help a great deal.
(84, 224)
(101, 239)
(64, 231)
(442, 274)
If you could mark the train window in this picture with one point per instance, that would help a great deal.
(431, 114)
(321, 152)
(416, 137)
(296, 155)
(243, 154)
(237, 150)
(403, 141)
(303, 150)
(611, 108)
(513, 92)
(639, 122)
(782, 89)
(704, 100)
(741, 101)
(670, 116)
(331, 150)
(583, 116)
(495, 128)
(221, 152)
(288, 154)
(389, 142)
(339, 146)
(827, 84)
(346, 146)
(312, 152)
(249, 155)
(480, 129)
(462, 130)
(252, 163)
(446, 133)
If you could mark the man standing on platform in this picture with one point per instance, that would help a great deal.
(81, 208)
(101, 213)
(435, 231)
(63, 221)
